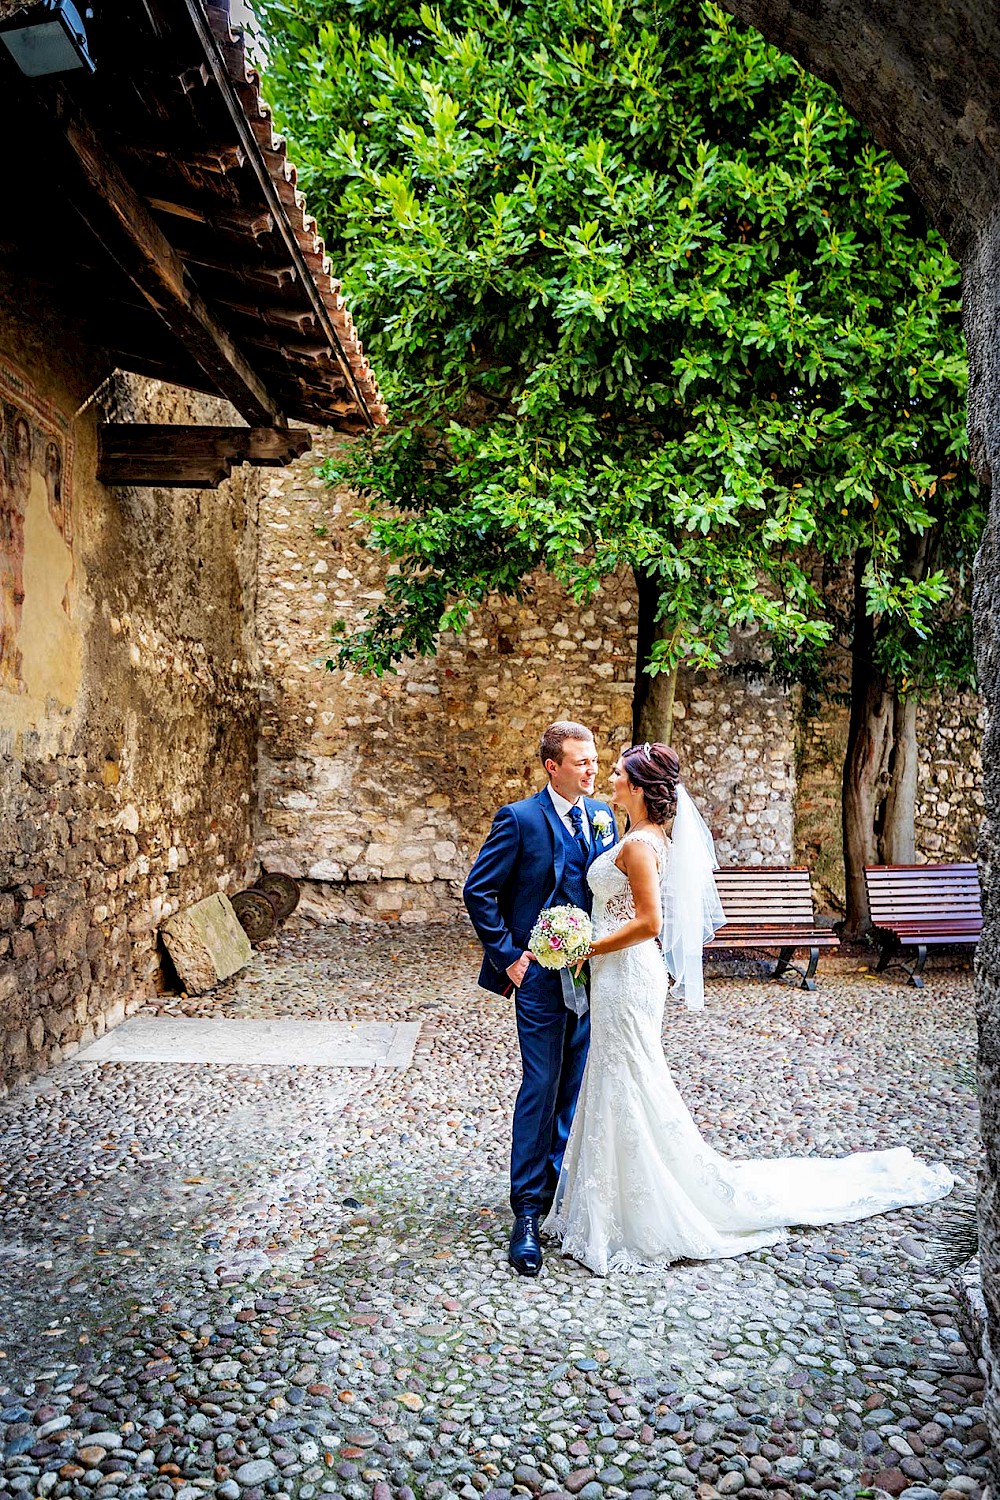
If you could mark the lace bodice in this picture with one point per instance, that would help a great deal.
(613, 902)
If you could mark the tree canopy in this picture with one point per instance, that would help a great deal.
(641, 294)
(640, 291)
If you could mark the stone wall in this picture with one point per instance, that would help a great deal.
(981, 307)
(129, 698)
(949, 806)
(950, 798)
(380, 792)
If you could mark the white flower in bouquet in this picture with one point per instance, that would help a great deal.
(561, 936)
(602, 822)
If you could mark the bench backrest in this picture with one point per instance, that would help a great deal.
(766, 895)
(901, 892)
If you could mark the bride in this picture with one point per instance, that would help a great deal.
(639, 1185)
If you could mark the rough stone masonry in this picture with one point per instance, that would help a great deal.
(379, 791)
(128, 681)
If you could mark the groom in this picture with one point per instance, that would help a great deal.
(537, 854)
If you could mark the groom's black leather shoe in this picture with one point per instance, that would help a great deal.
(525, 1246)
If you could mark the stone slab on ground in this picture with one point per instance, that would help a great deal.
(285, 1043)
(206, 943)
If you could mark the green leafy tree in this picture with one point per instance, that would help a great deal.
(642, 295)
(908, 627)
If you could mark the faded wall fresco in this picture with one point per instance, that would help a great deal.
(37, 644)
(129, 699)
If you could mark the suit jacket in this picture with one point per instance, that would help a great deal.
(516, 874)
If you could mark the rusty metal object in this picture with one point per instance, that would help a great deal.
(282, 890)
(256, 914)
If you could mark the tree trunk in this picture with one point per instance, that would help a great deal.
(897, 832)
(869, 742)
(897, 842)
(653, 695)
(655, 721)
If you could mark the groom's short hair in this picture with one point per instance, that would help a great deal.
(556, 736)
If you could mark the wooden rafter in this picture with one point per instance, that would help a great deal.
(268, 278)
(211, 26)
(104, 198)
(179, 457)
(218, 160)
(189, 253)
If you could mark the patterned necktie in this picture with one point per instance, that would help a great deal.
(576, 818)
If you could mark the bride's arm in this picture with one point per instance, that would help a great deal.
(638, 861)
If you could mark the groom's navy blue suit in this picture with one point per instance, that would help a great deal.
(529, 861)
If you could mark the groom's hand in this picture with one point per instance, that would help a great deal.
(517, 971)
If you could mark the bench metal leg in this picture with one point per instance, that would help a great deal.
(808, 982)
(892, 954)
(917, 970)
(885, 956)
(805, 976)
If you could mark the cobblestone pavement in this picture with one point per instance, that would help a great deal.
(251, 1281)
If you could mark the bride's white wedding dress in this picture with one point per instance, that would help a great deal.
(639, 1186)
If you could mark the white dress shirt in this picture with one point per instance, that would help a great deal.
(562, 807)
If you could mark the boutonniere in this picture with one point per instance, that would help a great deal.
(602, 822)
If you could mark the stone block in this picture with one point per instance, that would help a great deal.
(206, 943)
(17, 1045)
(23, 945)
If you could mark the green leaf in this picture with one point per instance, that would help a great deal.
(641, 294)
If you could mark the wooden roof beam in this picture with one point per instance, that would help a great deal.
(122, 222)
(218, 159)
(297, 320)
(180, 457)
(270, 278)
(228, 217)
(255, 137)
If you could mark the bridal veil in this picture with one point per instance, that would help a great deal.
(692, 911)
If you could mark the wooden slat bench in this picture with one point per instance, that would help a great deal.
(921, 907)
(771, 906)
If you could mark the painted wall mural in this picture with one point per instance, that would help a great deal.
(36, 449)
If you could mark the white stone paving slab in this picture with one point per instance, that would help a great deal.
(284, 1043)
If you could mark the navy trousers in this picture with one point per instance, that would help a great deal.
(553, 1045)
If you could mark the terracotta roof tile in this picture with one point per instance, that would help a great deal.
(282, 172)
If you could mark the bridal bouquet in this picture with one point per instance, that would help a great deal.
(561, 936)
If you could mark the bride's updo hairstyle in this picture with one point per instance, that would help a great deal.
(655, 770)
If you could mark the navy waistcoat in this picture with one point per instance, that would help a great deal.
(573, 889)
